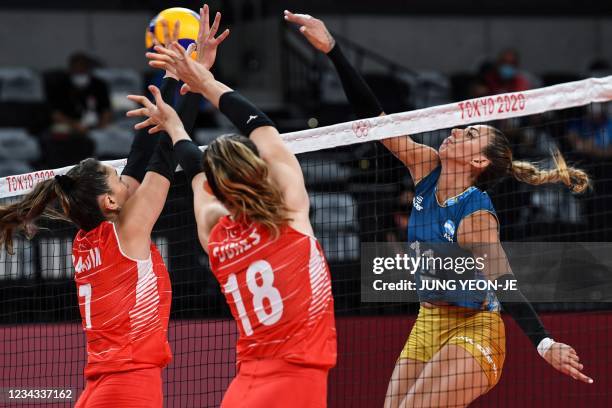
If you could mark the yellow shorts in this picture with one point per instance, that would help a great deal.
(481, 333)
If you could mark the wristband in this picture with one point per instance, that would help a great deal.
(242, 113)
(545, 345)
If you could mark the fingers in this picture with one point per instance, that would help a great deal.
(204, 16)
(165, 51)
(178, 49)
(137, 112)
(155, 129)
(575, 364)
(165, 32)
(141, 100)
(222, 37)
(156, 94)
(191, 48)
(160, 65)
(578, 376)
(185, 89)
(300, 19)
(144, 124)
(177, 30)
(215, 26)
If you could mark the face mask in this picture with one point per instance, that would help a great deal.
(80, 80)
(507, 71)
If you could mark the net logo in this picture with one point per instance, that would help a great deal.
(361, 128)
(492, 106)
(417, 203)
(27, 181)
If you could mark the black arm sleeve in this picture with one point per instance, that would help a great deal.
(189, 157)
(242, 113)
(515, 304)
(360, 96)
(163, 160)
(145, 144)
(188, 108)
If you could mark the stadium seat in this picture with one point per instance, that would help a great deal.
(430, 89)
(112, 142)
(121, 82)
(20, 85)
(335, 211)
(16, 144)
(13, 167)
(339, 246)
(321, 170)
(20, 265)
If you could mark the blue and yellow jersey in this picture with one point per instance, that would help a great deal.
(432, 232)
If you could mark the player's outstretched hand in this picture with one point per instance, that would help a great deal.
(207, 44)
(313, 29)
(177, 60)
(169, 38)
(564, 358)
(160, 116)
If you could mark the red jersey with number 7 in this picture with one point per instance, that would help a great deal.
(124, 303)
(279, 292)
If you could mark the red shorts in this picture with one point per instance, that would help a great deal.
(138, 388)
(277, 384)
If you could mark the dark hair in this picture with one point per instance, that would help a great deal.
(77, 193)
(501, 164)
(238, 177)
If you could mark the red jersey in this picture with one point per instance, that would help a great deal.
(124, 303)
(279, 292)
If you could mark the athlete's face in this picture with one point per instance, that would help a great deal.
(467, 145)
(119, 194)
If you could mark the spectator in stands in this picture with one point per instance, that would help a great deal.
(506, 75)
(590, 139)
(401, 214)
(591, 135)
(81, 103)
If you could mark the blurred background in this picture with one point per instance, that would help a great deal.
(67, 65)
(414, 54)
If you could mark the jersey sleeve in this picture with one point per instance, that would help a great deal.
(428, 182)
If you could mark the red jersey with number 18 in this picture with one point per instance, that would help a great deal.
(124, 304)
(279, 292)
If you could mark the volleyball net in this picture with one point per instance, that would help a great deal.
(359, 193)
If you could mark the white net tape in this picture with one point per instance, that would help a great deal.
(488, 108)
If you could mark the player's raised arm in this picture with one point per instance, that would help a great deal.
(283, 167)
(144, 144)
(479, 234)
(419, 158)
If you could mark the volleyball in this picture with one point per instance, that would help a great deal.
(188, 30)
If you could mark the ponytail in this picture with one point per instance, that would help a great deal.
(576, 179)
(77, 193)
(20, 217)
(501, 165)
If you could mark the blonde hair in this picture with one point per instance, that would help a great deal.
(239, 179)
(501, 164)
(576, 179)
